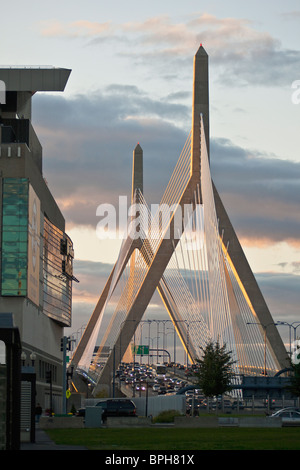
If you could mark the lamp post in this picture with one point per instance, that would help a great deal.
(147, 394)
(141, 337)
(120, 343)
(152, 339)
(33, 358)
(186, 322)
(120, 334)
(187, 346)
(174, 342)
(265, 341)
(157, 338)
(290, 325)
(23, 358)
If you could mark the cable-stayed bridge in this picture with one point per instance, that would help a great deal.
(188, 251)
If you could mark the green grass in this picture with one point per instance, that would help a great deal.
(180, 439)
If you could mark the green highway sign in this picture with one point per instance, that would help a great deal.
(141, 350)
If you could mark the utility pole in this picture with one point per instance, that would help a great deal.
(65, 345)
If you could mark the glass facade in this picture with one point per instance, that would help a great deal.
(57, 285)
(14, 237)
(23, 235)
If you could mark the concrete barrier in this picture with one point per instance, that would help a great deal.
(256, 422)
(128, 422)
(61, 422)
(228, 421)
(215, 421)
(197, 422)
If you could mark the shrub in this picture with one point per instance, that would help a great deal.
(166, 416)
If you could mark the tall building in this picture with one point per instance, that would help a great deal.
(36, 253)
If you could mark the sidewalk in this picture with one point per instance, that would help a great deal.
(43, 442)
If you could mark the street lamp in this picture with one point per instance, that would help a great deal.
(265, 342)
(157, 338)
(187, 323)
(23, 357)
(141, 324)
(147, 395)
(187, 345)
(120, 340)
(290, 325)
(152, 339)
(174, 341)
(33, 358)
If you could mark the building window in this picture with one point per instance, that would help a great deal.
(21, 233)
(14, 236)
(57, 285)
(44, 367)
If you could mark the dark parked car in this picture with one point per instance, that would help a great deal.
(113, 408)
(117, 408)
(80, 412)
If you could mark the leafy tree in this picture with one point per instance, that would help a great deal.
(294, 386)
(215, 370)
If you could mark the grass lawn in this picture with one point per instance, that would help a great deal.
(180, 439)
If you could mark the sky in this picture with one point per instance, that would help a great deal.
(131, 81)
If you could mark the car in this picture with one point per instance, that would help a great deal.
(190, 393)
(122, 407)
(288, 416)
(80, 412)
(139, 386)
(193, 404)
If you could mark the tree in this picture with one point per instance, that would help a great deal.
(215, 370)
(294, 386)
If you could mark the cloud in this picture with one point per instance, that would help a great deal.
(261, 192)
(282, 294)
(239, 53)
(92, 277)
(291, 15)
(75, 29)
(88, 161)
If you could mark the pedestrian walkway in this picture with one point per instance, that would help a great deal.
(43, 442)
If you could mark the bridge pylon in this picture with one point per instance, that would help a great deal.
(225, 295)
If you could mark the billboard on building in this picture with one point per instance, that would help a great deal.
(34, 220)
